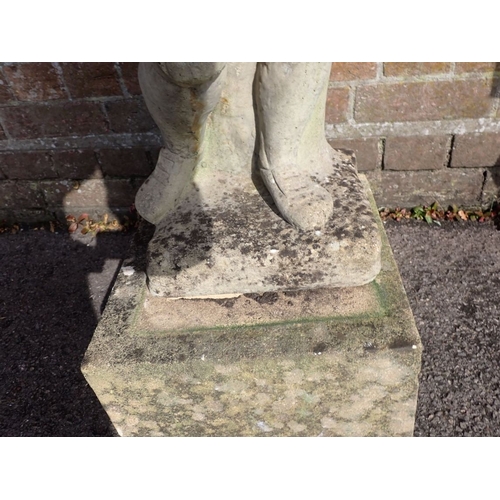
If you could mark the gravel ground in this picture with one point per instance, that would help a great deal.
(53, 287)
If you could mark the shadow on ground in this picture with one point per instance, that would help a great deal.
(52, 289)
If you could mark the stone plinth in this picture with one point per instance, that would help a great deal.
(226, 237)
(319, 362)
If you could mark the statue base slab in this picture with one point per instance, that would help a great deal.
(323, 362)
(226, 237)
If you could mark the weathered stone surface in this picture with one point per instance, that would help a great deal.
(331, 362)
(275, 116)
(230, 241)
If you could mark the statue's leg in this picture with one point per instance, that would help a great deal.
(180, 97)
(290, 109)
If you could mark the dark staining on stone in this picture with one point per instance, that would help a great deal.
(227, 303)
(358, 234)
(320, 348)
(136, 354)
(370, 346)
(287, 253)
(245, 249)
(263, 298)
(400, 343)
(337, 203)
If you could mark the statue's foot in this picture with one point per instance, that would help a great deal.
(162, 190)
(297, 194)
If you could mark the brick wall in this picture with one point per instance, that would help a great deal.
(77, 137)
(74, 137)
(422, 132)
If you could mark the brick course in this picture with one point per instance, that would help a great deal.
(5, 91)
(125, 162)
(130, 116)
(476, 67)
(27, 165)
(54, 120)
(91, 79)
(437, 100)
(412, 188)
(368, 156)
(476, 150)
(337, 104)
(129, 73)
(21, 194)
(416, 153)
(34, 81)
(89, 193)
(76, 164)
(415, 69)
(345, 71)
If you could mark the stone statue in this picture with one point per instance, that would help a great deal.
(247, 195)
(291, 145)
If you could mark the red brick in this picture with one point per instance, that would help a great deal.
(476, 150)
(366, 151)
(26, 215)
(154, 154)
(422, 187)
(6, 95)
(345, 71)
(415, 68)
(54, 120)
(91, 79)
(337, 104)
(416, 153)
(476, 67)
(34, 81)
(77, 164)
(129, 116)
(89, 193)
(492, 185)
(27, 165)
(130, 77)
(423, 101)
(20, 194)
(125, 162)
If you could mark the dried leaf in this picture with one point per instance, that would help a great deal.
(73, 227)
(462, 215)
(82, 217)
